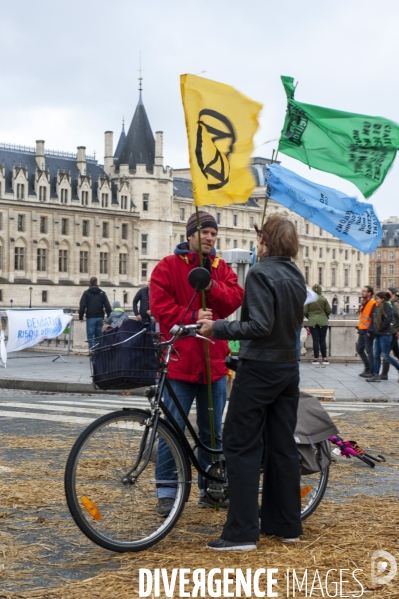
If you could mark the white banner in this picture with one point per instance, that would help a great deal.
(28, 327)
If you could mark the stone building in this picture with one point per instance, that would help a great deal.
(64, 218)
(384, 263)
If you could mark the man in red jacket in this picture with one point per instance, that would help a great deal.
(170, 296)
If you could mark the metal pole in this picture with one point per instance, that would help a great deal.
(30, 297)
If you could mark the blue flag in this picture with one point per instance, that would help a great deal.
(345, 217)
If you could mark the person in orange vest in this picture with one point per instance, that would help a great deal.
(364, 346)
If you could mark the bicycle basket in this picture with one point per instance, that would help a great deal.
(124, 358)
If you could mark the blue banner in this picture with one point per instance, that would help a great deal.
(344, 217)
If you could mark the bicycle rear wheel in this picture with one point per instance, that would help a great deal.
(313, 487)
(114, 514)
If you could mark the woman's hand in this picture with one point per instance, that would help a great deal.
(207, 326)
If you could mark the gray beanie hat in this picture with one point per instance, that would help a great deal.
(116, 304)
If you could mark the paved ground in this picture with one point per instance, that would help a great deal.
(73, 375)
(41, 546)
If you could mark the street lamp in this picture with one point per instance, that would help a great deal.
(30, 297)
(114, 290)
(378, 272)
(11, 302)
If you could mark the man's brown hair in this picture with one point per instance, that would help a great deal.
(279, 236)
(93, 281)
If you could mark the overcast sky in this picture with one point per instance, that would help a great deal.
(69, 69)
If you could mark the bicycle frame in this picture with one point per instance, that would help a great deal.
(157, 407)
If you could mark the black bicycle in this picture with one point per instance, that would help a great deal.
(111, 478)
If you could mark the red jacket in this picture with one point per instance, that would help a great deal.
(169, 297)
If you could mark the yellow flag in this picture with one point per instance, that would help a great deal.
(221, 123)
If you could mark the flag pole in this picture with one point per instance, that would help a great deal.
(207, 354)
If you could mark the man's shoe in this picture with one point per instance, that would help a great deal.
(222, 545)
(383, 377)
(325, 362)
(316, 363)
(374, 379)
(165, 505)
(289, 539)
(206, 501)
(366, 374)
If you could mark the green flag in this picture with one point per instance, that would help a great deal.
(353, 146)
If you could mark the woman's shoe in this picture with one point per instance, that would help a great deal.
(316, 363)
(325, 361)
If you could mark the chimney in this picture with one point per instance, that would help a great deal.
(158, 148)
(40, 157)
(81, 160)
(108, 151)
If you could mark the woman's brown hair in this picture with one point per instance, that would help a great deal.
(279, 236)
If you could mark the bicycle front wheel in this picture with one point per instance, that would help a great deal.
(113, 513)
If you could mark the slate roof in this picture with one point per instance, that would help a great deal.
(139, 145)
(390, 235)
(120, 142)
(26, 158)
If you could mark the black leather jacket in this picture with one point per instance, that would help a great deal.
(272, 311)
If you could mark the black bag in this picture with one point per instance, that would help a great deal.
(314, 427)
(125, 357)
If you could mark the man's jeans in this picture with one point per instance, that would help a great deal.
(298, 342)
(93, 329)
(186, 393)
(365, 346)
(382, 346)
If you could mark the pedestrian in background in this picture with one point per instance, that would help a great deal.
(93, 303)
(317, 314)
(142, 297)
(380, 328)
(116, 318)
(364, 346)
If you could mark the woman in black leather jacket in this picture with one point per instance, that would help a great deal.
(264, 400)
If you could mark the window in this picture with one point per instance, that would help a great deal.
(144, 271)
(391, 269)
(182, 239)
(41, 259)
(346, 254)
(358, 256)
(64, 226)
(333, 283)
(358, 275)
(104, 200)
(64, 196)
(20, 191)
(85, 198)
(391, 255)
(125, 298)
(307, 275)
(218, 217)
(390, 283)
(181, 213)
(235, 243)
(84, 262)
(122, 264)
(21, 222)
(144, 239)
(378, 255)
(42, 193)
(320, 231)
(44, 297)
(333, 254)
(105, 229)
(235, 220)
(124, 231)
(124, 202)
(320, 275)
(63, 260)
(320, 252)
(85, 228)
(306, 250)
(19, 259)
(146, 198)
(218, 244)
(43, 224)
(346, 277)
(307, 229)
(103, 263)
(251, 222)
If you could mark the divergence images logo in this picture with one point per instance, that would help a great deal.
(215, 142)
(380, 561)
